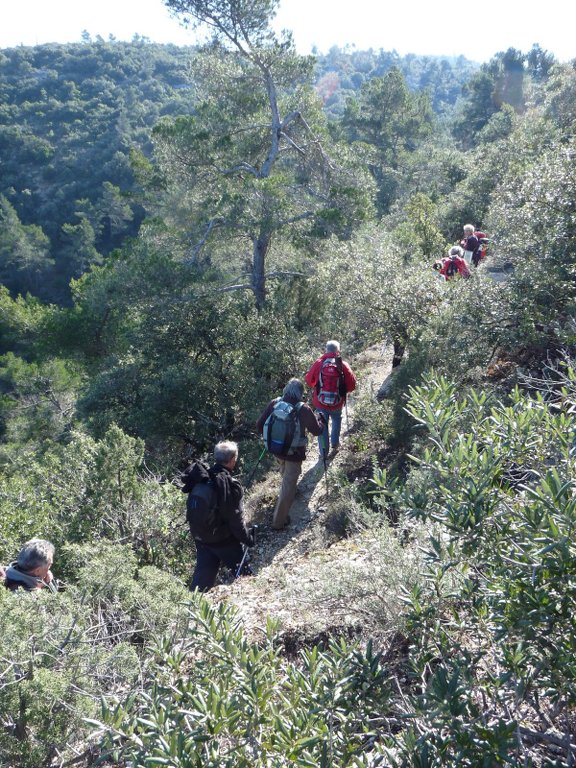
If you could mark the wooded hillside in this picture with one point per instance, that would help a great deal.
(181, 231)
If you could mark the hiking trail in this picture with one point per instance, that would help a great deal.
(286, 562)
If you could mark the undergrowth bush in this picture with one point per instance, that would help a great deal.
(492, 626)
(58, 653)
(364, 581)
(217, 701)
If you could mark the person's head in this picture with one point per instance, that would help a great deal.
(455, 251)
(226, 453)
(468, 229)
(294, 390)
(36, 558)
(333, 346)
(437, 265)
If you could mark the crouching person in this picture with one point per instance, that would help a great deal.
(215, 514)
(31, 569)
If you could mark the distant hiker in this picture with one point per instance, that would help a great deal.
(470, 245)
(284, 423)
(483, 243)
(31, 569)
(215, 514)
(454, 264)
(331, 379)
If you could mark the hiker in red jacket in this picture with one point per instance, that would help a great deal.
(331, 379)
(483, 241)
(454, 264)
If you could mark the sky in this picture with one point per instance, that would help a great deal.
(433, 27)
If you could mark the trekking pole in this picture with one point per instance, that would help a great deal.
(324, 461)
(255, 467)
(253, 529)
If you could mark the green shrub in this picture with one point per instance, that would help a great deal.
(493, 621)
(60, 653)
(215, 700)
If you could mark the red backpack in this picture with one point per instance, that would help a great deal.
(483, 241)
(331, 388)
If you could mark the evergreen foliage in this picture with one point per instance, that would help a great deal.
(459, 491)
(75, 136)
(70, 116)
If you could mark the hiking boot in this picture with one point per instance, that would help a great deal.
(281, 527)
(335, 449)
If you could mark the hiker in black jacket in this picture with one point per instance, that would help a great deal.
(215, 515)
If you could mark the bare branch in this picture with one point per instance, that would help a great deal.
(270, 275)
(212, 224)
(292, 143)
(241, 167)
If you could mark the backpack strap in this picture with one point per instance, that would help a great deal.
(302, 432)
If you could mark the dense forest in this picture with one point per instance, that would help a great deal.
(181, 230)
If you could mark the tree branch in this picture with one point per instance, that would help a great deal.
(292, 143)
(212, 224)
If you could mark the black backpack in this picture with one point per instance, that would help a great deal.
(452, 268)
(202, 509)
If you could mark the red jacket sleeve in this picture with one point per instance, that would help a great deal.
(463, 268)
(311, 378)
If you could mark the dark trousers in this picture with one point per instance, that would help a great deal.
(208, 560)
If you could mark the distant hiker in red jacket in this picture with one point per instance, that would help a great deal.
(454, 264)
(331, 379)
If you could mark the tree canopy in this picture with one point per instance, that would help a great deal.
(180, 233)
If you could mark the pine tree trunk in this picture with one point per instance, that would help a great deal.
(261, 246)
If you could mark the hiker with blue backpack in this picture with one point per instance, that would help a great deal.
(284, 424)
(215, 514)
(330, 379)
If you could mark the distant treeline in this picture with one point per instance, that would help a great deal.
(76, 126)
(70, 115)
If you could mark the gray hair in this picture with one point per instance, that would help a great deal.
(294, 390)
(468, 228)
(455, 251)
(36, 553)
(332, 346)
(225, 451)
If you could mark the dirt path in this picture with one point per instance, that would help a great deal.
(314, 528)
